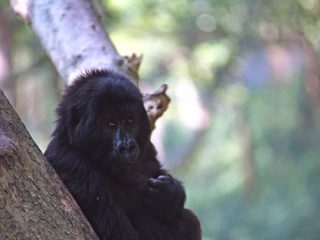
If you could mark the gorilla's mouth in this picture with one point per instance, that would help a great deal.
(127, 160)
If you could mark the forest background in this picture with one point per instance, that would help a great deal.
(242, 131)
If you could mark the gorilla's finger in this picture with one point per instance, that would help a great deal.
(167, 178)
(160, 184)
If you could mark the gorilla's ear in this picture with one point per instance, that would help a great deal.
(72, 120)
(80, 124)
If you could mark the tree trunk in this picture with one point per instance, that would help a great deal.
(34, 204)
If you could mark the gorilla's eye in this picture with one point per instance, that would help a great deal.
(129, 120)
(111, 123)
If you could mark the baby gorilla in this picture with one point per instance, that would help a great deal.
(101, 149)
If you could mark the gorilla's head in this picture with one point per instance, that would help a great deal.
(104, 117)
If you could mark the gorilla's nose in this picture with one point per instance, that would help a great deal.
(127, 148)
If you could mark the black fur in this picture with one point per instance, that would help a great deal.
(102, 151)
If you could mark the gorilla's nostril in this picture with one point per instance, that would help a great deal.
(122, 150)
(131, 148)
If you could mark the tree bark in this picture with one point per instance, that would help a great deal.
(76, 42)
(34, 204)
(71, 33)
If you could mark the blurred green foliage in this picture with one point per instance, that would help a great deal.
(242, 131)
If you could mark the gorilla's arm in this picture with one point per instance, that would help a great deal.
(165, 196)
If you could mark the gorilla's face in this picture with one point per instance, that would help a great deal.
(111, 126)
(119, 127)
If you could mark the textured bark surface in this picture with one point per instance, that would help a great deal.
(34, 204)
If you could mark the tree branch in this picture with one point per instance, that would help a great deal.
(76, 41)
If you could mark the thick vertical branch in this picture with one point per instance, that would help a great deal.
(246, 158)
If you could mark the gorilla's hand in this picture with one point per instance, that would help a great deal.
(165, 197)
